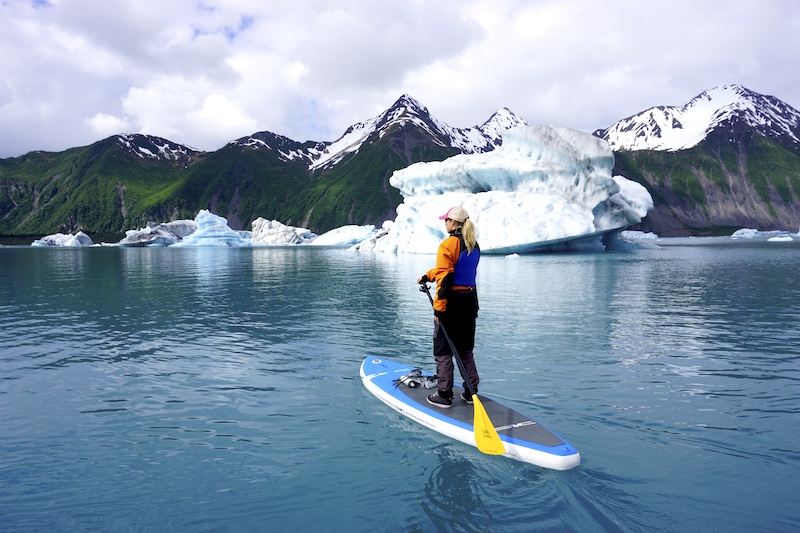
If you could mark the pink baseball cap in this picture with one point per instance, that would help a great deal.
(457, 213)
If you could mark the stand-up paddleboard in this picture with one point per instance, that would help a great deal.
(524, 439)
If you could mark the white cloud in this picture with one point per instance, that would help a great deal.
(104, 125)
(219, 114)
(188, 111)
(206, 73)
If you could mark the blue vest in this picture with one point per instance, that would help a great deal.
(466, 267)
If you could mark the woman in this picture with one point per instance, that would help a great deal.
(455, 306)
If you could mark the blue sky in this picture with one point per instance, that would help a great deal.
(204, 73)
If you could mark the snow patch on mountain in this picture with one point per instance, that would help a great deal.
(349, 142)
(285, 148)
(151, 147)
(671, 128)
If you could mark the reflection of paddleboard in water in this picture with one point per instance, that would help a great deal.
(524, 439)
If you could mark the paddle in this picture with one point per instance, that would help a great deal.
(486, 438)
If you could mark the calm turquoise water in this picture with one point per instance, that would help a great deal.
(217, 390)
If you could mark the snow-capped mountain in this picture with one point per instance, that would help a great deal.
(408, 110)
(405, 110)
(728, 108)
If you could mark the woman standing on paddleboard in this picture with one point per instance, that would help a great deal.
(456, 304)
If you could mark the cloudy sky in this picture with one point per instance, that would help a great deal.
(204, 72)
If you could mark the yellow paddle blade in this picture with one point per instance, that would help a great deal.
(486, 437)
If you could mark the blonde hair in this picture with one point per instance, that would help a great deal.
(470, 234)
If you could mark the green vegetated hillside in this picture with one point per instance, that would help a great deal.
(95, 188)
(240, 183)
(720, 185)
(357, 190)
(109, 188)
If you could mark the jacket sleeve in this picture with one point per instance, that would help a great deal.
(443, 272)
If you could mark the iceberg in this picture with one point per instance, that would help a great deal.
(274, 232)
(544, 188)
(750, 233)
(164, 234)
(345, 236)
(80, 239)
(213, 230)
(368, 244)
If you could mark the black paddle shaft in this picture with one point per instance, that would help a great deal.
(424, 288)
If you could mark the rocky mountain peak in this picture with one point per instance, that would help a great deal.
(722, 109)
(409, 111)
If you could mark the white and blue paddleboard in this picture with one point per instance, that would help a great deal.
(523, 438)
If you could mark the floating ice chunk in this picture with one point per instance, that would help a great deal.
(165, 234)
(274, 232)
(80, 239)
(344, 236)
(638, 235)
(212, 230)
(745, 233)
(368, 244)
(772, 235)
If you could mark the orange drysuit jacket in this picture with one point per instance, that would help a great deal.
(443, 273)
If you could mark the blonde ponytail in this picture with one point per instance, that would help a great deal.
(469, 233)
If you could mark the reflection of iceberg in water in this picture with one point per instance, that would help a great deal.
(209, 267)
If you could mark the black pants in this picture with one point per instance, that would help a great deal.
(459, 322)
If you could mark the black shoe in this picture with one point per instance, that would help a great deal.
(466, 397)
(438, 401)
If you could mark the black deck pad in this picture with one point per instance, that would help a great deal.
(506, 421)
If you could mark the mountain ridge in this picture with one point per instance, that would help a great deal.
(126, 180)
(741, 168)
(727, 107)
(729, 158)
(325, 154)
